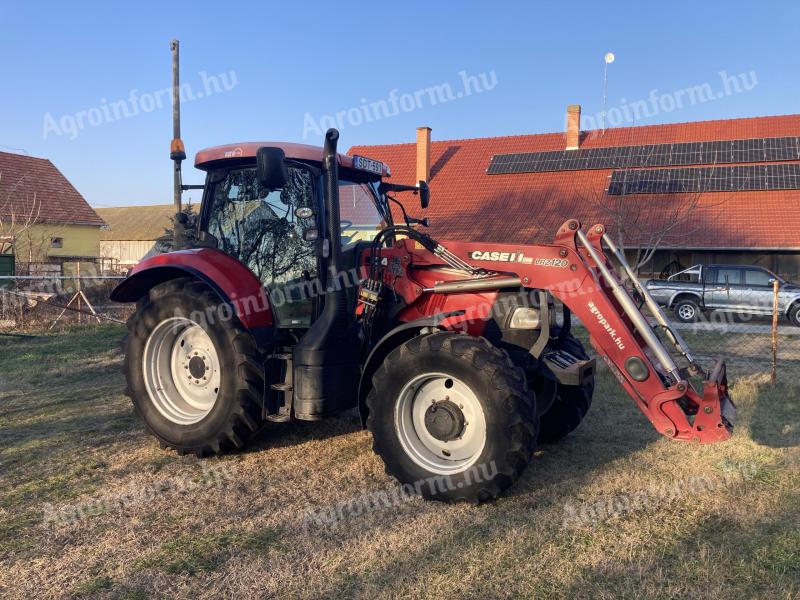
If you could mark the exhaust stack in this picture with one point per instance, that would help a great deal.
(325, 367)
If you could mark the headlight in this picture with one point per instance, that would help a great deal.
(525, 318)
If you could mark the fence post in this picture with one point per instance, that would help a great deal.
(775, 291)
(78, 285)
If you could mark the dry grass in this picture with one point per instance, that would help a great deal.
(68, 435)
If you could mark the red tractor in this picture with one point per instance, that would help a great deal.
(302, 298)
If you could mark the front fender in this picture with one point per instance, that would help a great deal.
(233, 281)
(400, 334)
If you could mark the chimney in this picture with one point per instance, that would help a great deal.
(573, 126)
(423, 154)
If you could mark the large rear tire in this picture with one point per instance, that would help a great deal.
(193, 372)
(571, 403)
(452, 417)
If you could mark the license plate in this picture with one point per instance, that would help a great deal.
(367, 164)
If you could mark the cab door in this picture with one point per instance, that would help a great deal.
(724, 291)
(757, 295)
(361, 219)
(261, 228)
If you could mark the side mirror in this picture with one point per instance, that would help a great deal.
(424, 194)
(271, 167)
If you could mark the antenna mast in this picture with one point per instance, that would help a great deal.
(607, 60)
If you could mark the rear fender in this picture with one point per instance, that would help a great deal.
(684, 294)
(229, 278)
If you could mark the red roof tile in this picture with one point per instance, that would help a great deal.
(24, 177)
(466, 203)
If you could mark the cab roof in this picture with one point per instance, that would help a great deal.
(206, 158)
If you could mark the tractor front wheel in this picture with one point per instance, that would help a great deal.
(572, 402)
(452, 418)
(192, 370)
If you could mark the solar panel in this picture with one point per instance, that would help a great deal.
(653, 155)
(784, 176)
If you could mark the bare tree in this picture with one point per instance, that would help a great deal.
(646, 225)
(636, 226)
(20, 210)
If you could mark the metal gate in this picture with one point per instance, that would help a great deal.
(6, 268)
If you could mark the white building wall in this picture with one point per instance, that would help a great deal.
(128, 253)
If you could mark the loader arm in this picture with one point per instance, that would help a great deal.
(577, 271)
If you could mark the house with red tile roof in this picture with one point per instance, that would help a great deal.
(43, 218)
(724, 191)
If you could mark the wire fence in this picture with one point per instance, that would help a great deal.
(749, 344)
(50, 301)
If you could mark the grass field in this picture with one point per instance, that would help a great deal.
(614, 511)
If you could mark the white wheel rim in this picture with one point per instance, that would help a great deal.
(435, 455)
(686, 311)
(181, 371)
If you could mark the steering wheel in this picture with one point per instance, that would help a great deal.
(345, 224)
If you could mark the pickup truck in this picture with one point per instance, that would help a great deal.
(729, 288)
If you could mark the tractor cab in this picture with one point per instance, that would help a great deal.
(264, 205)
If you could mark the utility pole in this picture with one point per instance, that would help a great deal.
(177, 152)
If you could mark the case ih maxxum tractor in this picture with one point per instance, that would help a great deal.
(303, 298)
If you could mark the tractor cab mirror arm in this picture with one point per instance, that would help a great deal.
(422, 189)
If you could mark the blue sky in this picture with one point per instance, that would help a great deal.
(287, 65)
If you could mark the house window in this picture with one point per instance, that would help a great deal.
(56, 242)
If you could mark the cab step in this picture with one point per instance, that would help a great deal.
(279, 418)
(278, 396)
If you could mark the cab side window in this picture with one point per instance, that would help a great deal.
(360, 219)
(728, 276)
(757, 277)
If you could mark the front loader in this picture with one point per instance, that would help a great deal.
(303, 298)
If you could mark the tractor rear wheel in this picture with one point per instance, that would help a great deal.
(452, 417)
(571, 403)
(193, 372)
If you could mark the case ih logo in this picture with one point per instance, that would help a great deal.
(235, 153)
(515, 257)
